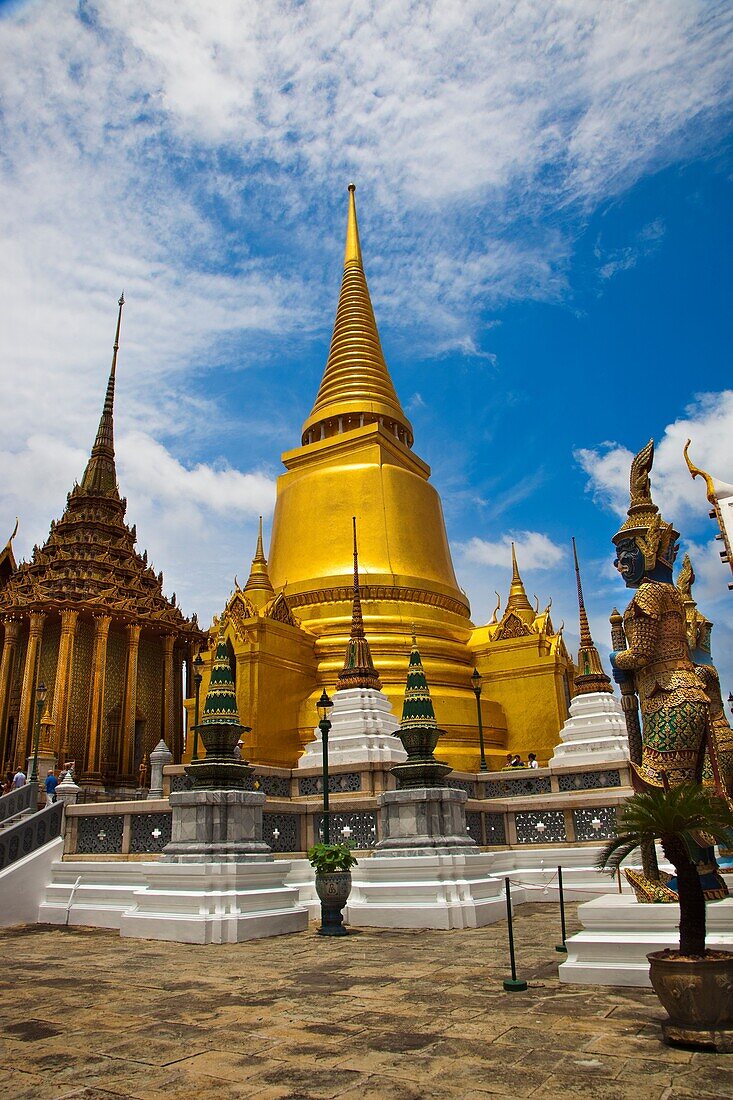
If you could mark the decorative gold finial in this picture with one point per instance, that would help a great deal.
(695, 471)
(358, 670)
(656, 538)
(259, 587)
(517, 595)
(8, 544)
(100, 475)
(590, 676)
(352, 253)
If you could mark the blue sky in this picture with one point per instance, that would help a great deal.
(544, 202)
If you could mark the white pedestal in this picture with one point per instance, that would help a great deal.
(362, 731)
(619, 932)
(435, 891)
(214, 903)
(595, 733)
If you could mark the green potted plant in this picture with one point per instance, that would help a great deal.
(333, 863)
(695, 985)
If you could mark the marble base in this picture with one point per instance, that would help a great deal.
(619, 932)
(216, 827)
(595, 733)
(423, 821)
(214, 903)
(443, 891)
(362, 731)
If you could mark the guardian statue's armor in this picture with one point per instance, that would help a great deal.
(675, 708)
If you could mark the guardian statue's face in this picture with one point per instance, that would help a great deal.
(630, 562)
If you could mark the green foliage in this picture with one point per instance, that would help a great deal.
(666, 816)
(331, 857)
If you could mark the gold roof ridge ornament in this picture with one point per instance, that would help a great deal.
(656, 538)
(358, 670)
(590, 676)
(259, 586)
(356, 388)
(517, 600)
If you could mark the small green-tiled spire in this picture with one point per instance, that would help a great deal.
(221, 698)
(417, 709)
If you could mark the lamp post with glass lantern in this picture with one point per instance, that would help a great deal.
(40, 700)
(198, 664)
(323, 706)
(476, 682)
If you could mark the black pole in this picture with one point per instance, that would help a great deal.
(561, 946)
(513, 984)
(197, 694)
(477, 693)
(325, 726)
(34, 770)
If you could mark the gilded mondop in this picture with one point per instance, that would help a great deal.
(674, 706)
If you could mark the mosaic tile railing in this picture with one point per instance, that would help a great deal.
(30, 833)
(588, 781)
(467, 785)
(100, 834)
(149, 832)
(281, 832)
(274, 786)
(605, 823)
(473, 826)
(494, 830)
(516, 787)
(14, 802)
(551, 827)
(345, 783)
(359, 828)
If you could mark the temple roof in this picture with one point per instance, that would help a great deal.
(358, 670)
(356, 384)
(89, 561)
(590, 676)
(517, 600)
(7, 559)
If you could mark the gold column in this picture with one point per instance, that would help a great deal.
(62, 683)
(27, 700)
(10, 644)
(168, 733)
(93, 763)
(127, 740)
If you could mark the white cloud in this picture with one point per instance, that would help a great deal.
(534, 550)
(708, 422)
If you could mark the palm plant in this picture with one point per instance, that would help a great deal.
(673, 817)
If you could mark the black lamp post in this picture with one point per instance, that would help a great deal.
(476, 682)
(40, 700)
(730, 701)
(198, 664)
(323, 706)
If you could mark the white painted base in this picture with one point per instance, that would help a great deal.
(619, 932)
(23, 884)
(90, 893)
(436, 891)
(214, 903)
(595, 733)
(362, 731)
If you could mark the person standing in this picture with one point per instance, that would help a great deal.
(19, 779)
(532, 761)
(51, 784)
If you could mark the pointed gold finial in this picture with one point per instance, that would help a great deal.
(517, 595)
(100, 475)
(259, 587)
(590, 676)
(352, 254)
(695, 471)
(358, 670)
(356, 389)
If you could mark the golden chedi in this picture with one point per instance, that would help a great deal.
(356, 459)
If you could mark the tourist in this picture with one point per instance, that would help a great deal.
(51, 784)
(509, 759)
(532, 761)
(19, 779)
(8, 784)
(517, 761)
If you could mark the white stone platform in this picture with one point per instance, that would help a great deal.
(362, 731)
(619, 932)
(445, 890)
(594, 733)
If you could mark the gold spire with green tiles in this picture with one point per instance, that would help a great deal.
(220, 707)
(417, 709)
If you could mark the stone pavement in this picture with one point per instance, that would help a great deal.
(378, 1014)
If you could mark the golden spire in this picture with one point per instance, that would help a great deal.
(358, 670)
(356, 388)
(590, 676)
(258, 586)
(100, 475)
(517, 596)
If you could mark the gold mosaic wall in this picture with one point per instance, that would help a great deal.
(78, 730)
(150, 690)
